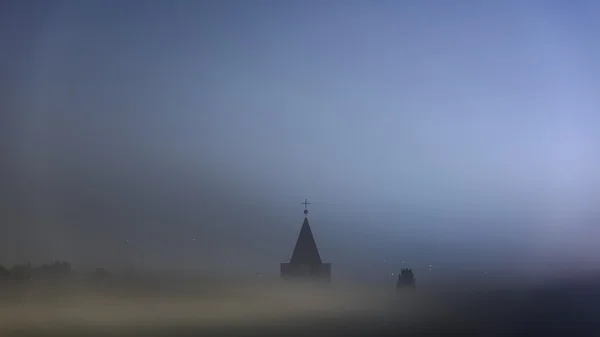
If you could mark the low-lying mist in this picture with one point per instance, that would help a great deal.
(172, 306)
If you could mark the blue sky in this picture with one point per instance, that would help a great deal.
(416, 128)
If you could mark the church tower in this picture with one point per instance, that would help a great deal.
(306, 263)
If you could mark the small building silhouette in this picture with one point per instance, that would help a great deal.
(406, 279)
(306, 263)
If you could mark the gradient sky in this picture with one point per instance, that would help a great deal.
(435, 132)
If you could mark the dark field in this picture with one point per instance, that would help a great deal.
(189, 309)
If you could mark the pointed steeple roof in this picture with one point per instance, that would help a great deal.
(306, 251)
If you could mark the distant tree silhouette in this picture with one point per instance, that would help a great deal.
(101, 274)
(52, 270)
(406, 279)
(4, 273)
(21, 272)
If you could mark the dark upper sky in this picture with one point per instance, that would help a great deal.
(426, 131)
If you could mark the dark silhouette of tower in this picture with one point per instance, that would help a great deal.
(306, 263)
(406, 279)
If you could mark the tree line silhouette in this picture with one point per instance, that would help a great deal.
(26, 272)
(22, 273)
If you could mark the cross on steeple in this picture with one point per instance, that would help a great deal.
(306, 203)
